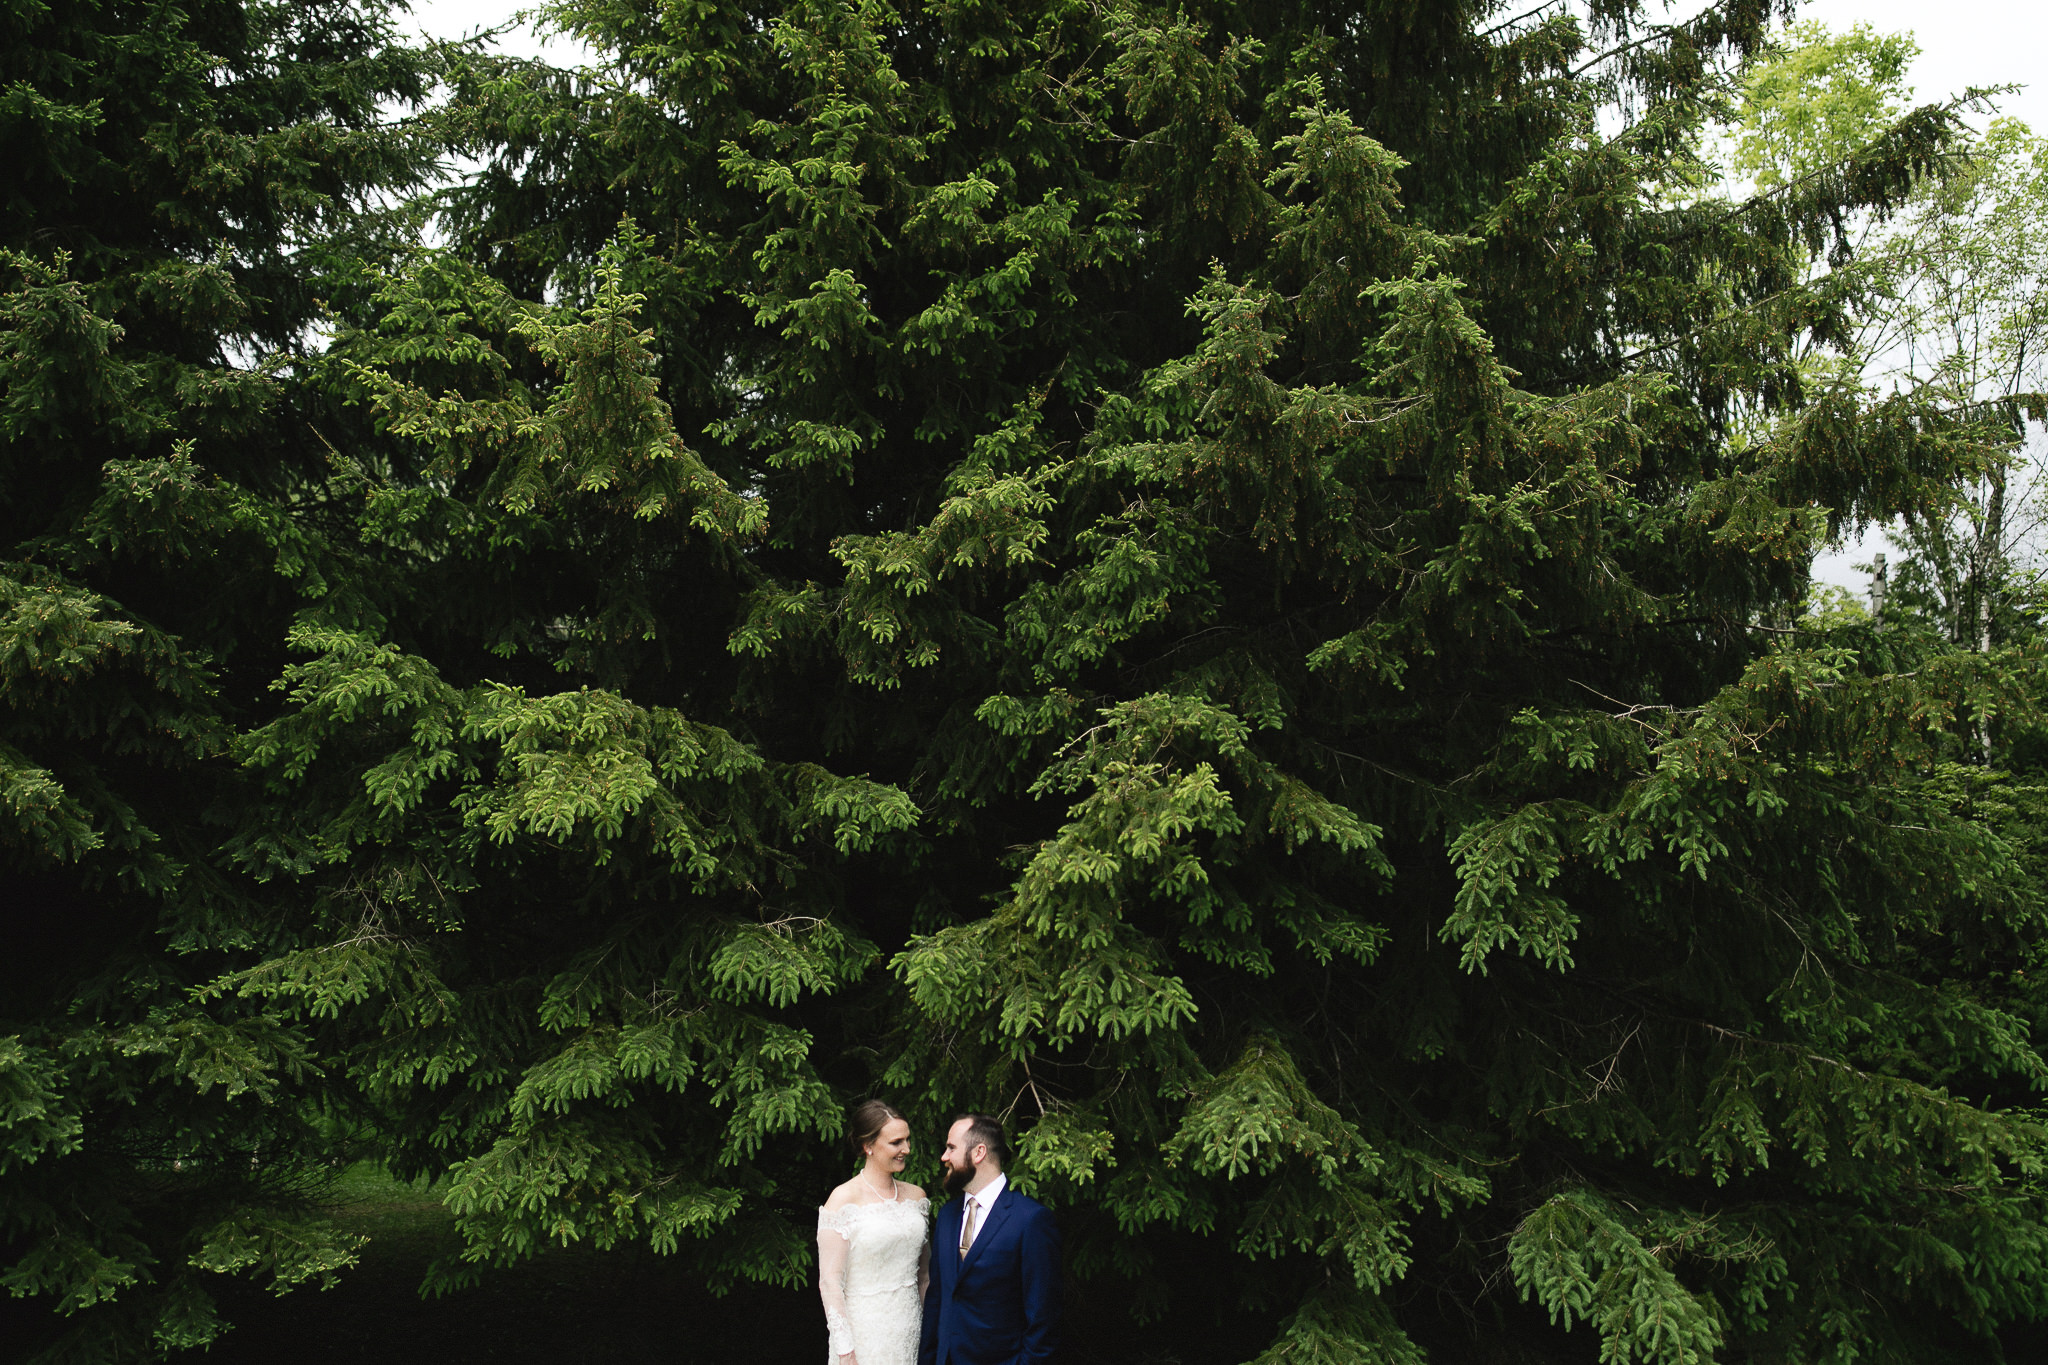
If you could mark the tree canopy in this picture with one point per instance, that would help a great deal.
(183, 180)
(1225, 581)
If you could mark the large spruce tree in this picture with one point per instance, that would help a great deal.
(1222, 580)
(182, 179)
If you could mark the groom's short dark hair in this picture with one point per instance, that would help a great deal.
(987, 1130)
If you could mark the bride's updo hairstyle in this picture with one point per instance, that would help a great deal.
(867, 1121)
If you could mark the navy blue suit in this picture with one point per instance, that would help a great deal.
(1000, 1305)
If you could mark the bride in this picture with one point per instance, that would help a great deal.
(871, 1248)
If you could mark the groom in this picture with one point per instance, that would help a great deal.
(995, 1273)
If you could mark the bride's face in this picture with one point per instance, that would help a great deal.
(890, 1150)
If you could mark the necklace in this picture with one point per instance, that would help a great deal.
(871, 1185)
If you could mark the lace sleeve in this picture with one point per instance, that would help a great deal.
(924, 1253)
(835, 1230)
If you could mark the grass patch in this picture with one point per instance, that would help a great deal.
(368, 1184)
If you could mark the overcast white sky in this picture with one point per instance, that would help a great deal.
(1962, 43)
(458, 18)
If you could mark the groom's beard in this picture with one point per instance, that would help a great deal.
(957, 1178)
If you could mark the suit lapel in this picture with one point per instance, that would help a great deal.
(996, 1214)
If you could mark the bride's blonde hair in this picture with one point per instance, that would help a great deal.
(867, 1121)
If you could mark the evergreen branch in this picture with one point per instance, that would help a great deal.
(1526, 14)
(1819, 175)
(1656, 32)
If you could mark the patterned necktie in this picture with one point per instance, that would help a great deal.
(967, 1227)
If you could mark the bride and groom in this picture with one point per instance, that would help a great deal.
(979, 1288)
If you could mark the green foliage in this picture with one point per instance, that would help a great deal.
(1819, 100)
(1339, 1327)
(1225, 582)
(34, 1116)
(1582, 1263)
(1951, 286)
(181, 180)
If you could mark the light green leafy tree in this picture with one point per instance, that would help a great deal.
(1955, 303)
(1969, 320)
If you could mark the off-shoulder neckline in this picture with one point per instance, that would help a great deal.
(899, 1202)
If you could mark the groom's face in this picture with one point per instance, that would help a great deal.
(959, 1158)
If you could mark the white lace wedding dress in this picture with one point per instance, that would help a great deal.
(871, 1269)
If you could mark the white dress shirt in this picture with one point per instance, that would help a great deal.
(979, 1203)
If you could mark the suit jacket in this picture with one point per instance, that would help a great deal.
(1000, 1304)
